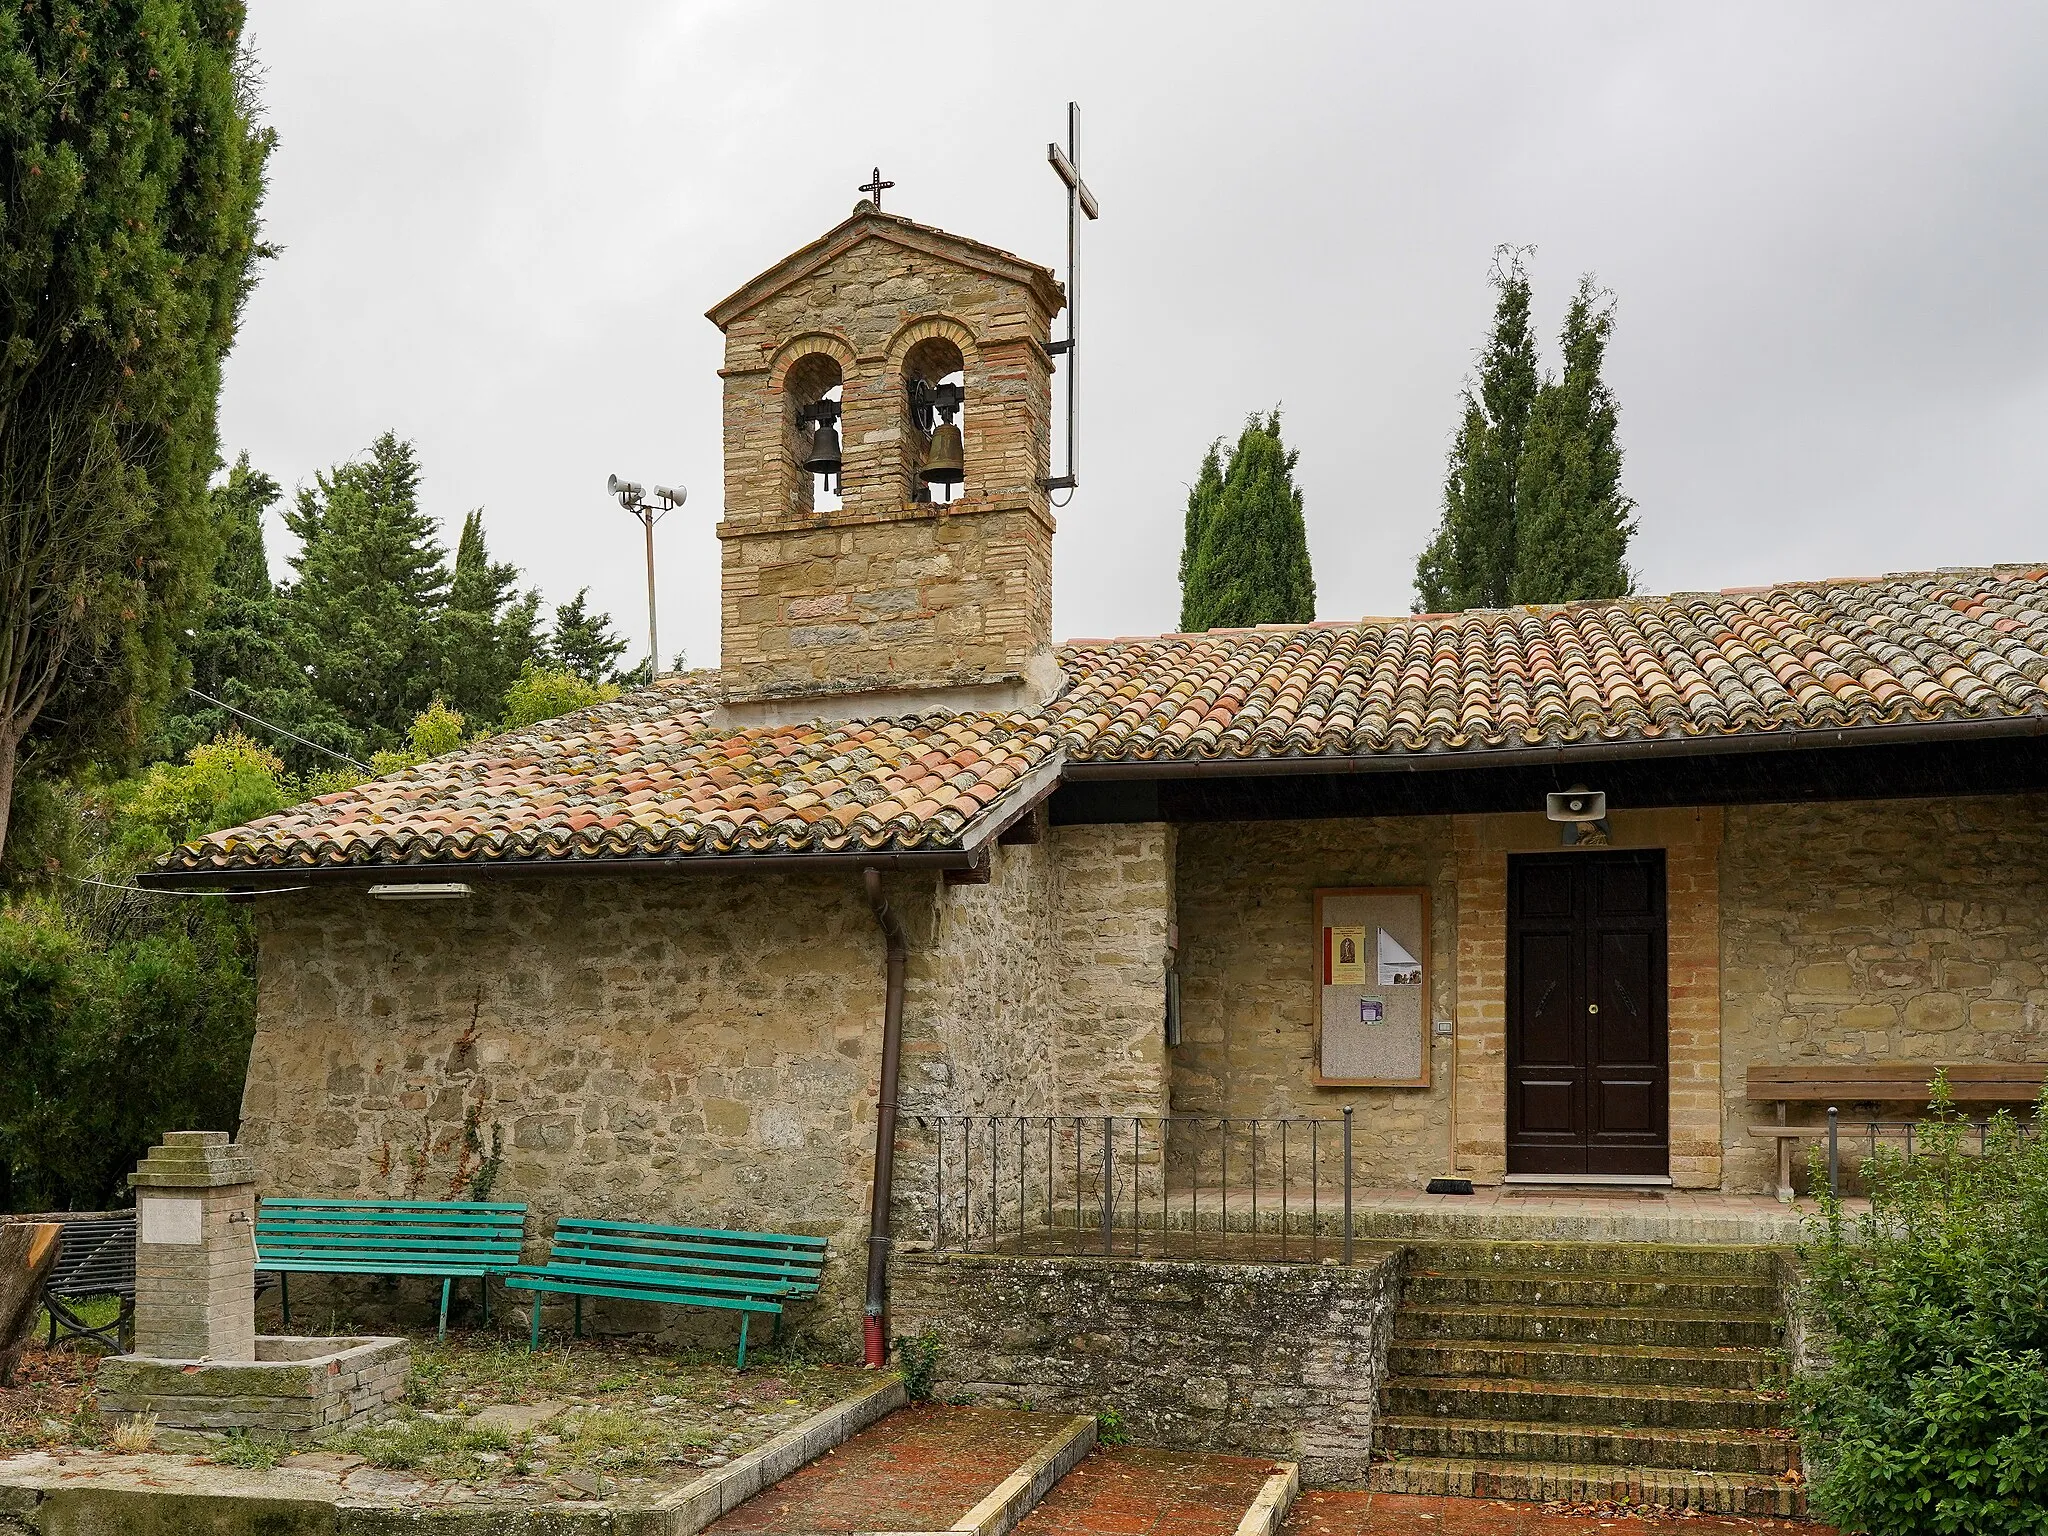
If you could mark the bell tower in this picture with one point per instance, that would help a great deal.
(887, 539)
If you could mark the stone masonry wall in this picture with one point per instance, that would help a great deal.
(1117, 900)
(1907, 930)
(1248, 993)
(1249, 1359)
(696, 1051)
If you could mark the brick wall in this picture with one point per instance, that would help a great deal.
(1904, 930)
(885, 592)
(1690, 839)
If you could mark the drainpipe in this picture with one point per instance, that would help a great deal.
(885, 1128)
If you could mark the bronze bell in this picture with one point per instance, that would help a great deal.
(945, 460)
(823, 455)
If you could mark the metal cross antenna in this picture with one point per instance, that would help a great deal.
(1066, 163)
(877, 186)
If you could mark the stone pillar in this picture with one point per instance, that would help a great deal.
(195, 1254)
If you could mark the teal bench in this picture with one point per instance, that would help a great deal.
(445, 1238)
(743, 1272)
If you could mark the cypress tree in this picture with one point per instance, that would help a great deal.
(1574, 523)
(1247, 559)
(372, 586)
(1470, 563)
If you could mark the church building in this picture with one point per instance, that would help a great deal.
(1577, 895)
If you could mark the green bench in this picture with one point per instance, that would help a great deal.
(445, 1238)
(743, 1272)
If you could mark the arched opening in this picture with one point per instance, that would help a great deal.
(935, 395)
(814, 389)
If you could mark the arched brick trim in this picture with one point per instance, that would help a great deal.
(932, 325)
(811, 343)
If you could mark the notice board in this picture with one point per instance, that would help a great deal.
(1372, 986)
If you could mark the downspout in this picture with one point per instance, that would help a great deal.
(879, 1239)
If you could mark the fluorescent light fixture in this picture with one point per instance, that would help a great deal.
(452, 890)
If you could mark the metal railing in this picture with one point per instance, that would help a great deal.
(1160, 1186)
(1896, 1134)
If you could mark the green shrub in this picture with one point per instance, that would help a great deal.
(918, 1359)
(1931, 1415)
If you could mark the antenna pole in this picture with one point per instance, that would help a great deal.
(653, 645)
(1066, 164)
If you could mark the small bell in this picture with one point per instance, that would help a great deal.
(822, 458)
(944, 461)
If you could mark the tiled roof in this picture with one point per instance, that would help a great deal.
(652, 775)
(1951, 646)
(647, 777)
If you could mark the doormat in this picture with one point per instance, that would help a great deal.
(1565, 1192)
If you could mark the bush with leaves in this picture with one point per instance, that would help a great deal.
(1932, 1413)
(542, 693)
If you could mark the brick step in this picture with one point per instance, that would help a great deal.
(1588, 1325)
(924, 1468)
(1725, 1493)
(1675, 1261)
(1674, 1365)
(1768, 1451)
(1535, 1288)
(1577, 1402)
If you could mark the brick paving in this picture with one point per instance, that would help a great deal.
(1132, 1491)
(1328, 1512)
(920, 1469)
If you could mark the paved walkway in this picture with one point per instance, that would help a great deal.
(920, 1469)
(1325, 1512)
(1132, 1491)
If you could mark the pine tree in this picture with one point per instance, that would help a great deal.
(1573, 522)
(1248, 562)
(1470, 563)
(236, 649)
(583, 642)
(371, 589)
(487, 633)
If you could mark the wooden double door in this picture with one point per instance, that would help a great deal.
(1587, 1021)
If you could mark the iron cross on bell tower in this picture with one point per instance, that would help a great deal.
(876, 186)
(1066, 164)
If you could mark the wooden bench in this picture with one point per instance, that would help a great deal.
(444, 1238)
(743, 1272)
(1888, 1082)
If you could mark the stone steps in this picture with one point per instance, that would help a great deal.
(1701, 1450)
(1670, 1365)
(1589, 1371)
(1589, 1325)
(1709, 1492)
(1576, 1402)
(1504, 1288)
(1681, 1261)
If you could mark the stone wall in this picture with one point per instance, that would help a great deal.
(701, 1051)
(1117, 898)
(1246, 899)
(1903, 930)
(1250, 1359)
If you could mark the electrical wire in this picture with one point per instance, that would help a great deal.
(341, 757)
(143, 890)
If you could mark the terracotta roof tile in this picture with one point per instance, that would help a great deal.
(651, 775)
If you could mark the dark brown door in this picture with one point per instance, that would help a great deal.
(1588, 1050)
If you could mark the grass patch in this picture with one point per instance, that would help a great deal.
(252, 1450)
(414, 1442)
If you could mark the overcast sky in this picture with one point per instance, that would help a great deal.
(1824, 224)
